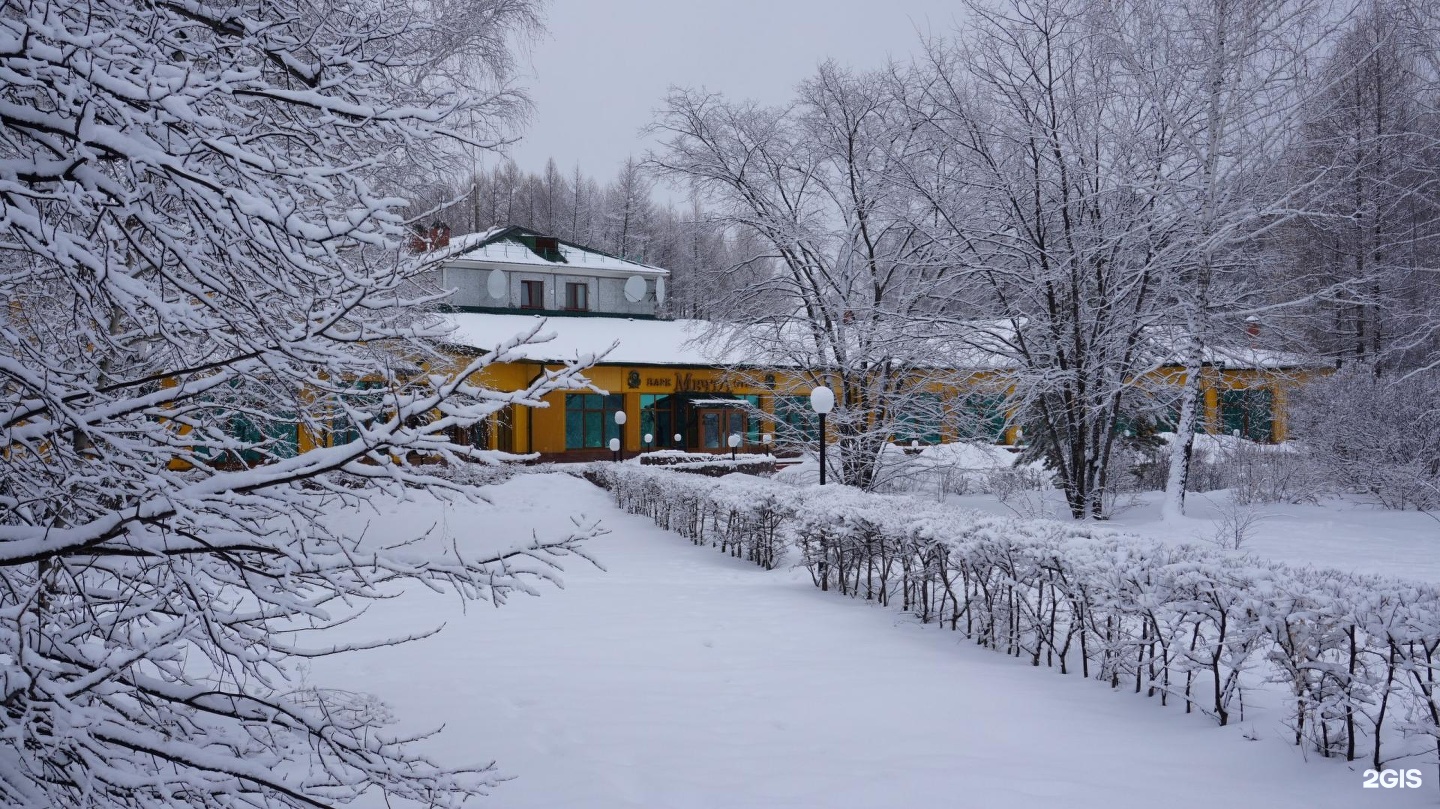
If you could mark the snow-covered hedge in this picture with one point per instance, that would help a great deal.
(739, 514)
(707, 464)
(1358, 657)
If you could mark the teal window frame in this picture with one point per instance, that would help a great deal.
(277, 437)
(980, 416)
(753, 415)
(590, 420)
(795, 419)
(1251, 411)
(659, 420)
(342, 429)
(922, 421)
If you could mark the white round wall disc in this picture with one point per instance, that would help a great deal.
(635, 289)
(496, 285)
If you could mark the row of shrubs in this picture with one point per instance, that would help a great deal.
(1358, 657)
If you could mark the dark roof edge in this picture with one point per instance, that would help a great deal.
(512, 230)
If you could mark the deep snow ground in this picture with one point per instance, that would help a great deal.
(1338, 533)
(684, 678)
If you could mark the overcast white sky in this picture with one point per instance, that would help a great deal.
(606, 64)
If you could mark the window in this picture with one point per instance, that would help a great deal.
(505, 429)
(657, 419)
(590, 420)
(752, 424)
(476, 435)
(577, 297)
(266, 431)
(981, 417)
(271, 439)
(1247, 412)
(532, 294)
(548, 248)
(919, 419)
(795, 419)
(342, 429)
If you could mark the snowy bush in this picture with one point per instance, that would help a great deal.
(1256, 473)
(714, 465)
(1375, 437)
(1268, 473)
(739, 514)
(1358, 656)
(962, 467)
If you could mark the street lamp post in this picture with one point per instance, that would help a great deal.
(615, 449)
(619, 443)
(822, 400)
(679, 441)
(734, 444)
(648, 438)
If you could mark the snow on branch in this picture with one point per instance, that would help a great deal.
(213, 341)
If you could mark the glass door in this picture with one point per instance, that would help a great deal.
(717, 424)
(711, 422)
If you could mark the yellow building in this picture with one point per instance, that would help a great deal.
(682, 392)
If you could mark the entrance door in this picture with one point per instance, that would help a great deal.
(718, 424)
(710, 427)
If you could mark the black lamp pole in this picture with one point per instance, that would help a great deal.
(822, 449)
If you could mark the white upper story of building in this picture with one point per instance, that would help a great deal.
(517, 270)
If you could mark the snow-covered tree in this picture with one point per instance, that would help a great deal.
(1370, 148)
(1221, 85)
(200, 260)
(852, 281)
(1375, 437)
(1108, 174)
(628, 211)
(1036, 172)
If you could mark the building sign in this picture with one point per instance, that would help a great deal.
(688, 383)
(684, 382)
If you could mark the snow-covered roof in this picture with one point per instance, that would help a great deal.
(1253, 357)
(1247, 353)
(503, 245)
(641, 341)
(644, 341)
(991, 344)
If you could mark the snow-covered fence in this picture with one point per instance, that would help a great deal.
(1356, 659)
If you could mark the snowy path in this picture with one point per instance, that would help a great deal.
(683, 678)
